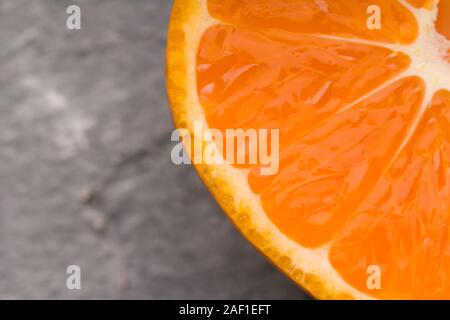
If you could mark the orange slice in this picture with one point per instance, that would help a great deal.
(363, 186)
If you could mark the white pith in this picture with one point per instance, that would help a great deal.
(427, 61)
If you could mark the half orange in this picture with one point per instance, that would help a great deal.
(363, 187)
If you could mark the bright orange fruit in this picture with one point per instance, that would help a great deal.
(363, 187)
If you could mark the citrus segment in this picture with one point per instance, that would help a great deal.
(245, 80)
(403, 225)
(347, 18)
(443, 19)
(326, 173)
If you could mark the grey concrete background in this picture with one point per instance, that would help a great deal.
(85, 171)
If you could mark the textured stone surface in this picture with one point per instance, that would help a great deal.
(85, 171)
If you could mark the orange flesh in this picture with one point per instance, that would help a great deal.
(342, 178)
(443, 20)
(403, 224)
(419, 3)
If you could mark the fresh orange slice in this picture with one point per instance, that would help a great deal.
(363, 187)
